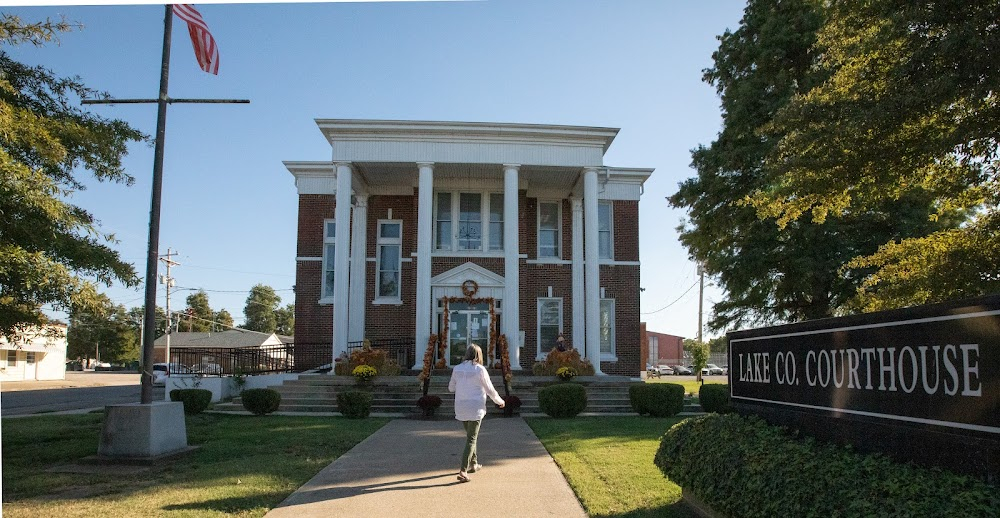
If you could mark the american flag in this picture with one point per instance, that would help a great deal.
(204, 44)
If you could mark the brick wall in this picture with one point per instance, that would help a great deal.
(313, 322)
(622, 284)
(385, 321)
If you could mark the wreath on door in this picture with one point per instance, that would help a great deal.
(470, 288)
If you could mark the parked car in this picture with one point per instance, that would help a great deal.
(209, 368)
(681, 370)
(713, 370)
(161, 373)
(661, 370)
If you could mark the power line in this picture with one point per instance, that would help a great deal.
(674, 302)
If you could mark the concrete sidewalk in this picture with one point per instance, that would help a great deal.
(409, 468)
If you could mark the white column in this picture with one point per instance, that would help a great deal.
(511, 262)
(359, 243)
(425, 206)
(579, 311)
(342, 269)
(592, 274)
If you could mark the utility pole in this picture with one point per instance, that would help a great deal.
(168, 281)
(701, 295)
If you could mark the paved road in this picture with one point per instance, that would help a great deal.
(79, 391)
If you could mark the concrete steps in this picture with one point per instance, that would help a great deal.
(397, 395)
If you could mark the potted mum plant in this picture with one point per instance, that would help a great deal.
(566, 373)
(364, 374)
(429, 404)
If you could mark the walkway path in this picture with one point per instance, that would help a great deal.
(408, 468)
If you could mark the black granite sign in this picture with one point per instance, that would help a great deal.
(934, 369)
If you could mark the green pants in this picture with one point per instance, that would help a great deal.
(471, 434)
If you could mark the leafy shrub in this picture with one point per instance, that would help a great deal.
(355, 404)
(511, 404)
(195, 400)
(656, 399)
(429, 404)
(562, 400)
(377, 358)
(566, 373)
(556, 360)
(714, 398)
(261, 401)
(741, 466)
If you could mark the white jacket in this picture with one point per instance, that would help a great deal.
(471, 383)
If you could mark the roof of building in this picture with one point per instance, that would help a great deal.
(235, 338)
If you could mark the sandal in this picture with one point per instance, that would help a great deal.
(475, 468)
(463, 478)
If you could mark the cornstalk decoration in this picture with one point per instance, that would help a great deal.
(425, 374)
(505, 364)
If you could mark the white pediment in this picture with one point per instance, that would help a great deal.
(468, 271)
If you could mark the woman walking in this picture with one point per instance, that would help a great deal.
(471, 384)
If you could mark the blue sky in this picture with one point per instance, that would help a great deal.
(229, 205)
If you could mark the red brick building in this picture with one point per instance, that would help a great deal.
(661, 348)
(416, 228)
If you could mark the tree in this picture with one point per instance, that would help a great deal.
(773, 273)
(260, 309)
(106, 333)
(699, 354)
(285, 320)
(911, 107)
(51, 251)
(223, 321)
(136, 316)
(200, 316)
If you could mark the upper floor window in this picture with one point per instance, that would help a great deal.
(549, 219)
(496, 221)
(605, 237)
(390, 241)
(329, 256)
(468, 221)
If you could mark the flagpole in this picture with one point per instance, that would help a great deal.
(152, 256)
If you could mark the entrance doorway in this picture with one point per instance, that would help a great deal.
(469, 324)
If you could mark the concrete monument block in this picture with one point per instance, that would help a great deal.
(142, 431)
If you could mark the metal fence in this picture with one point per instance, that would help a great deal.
(299, 357)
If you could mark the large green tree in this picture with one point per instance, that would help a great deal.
(51, 251)
(912, 106)
(773, 273)
(103, 329)
(260, 309)
(285, 320)
(223, 321)
(199, 314)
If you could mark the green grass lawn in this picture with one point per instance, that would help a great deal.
(690, 387)
(245, 466)
(608, 461)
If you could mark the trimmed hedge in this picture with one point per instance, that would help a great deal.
(261, 401)
(714, 398)
(563, 399)
(195, 400)
(657, 399)
(355, 404)
(741, 466)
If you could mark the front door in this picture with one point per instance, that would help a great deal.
(468, 324)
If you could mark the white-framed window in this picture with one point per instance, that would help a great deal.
(550, 318)
(607, 327)
(389, 260)
(329, 256)
(468, 222)
(605, 235)
(496, 221)
(549, 229)
(12, 358)
(30, 358)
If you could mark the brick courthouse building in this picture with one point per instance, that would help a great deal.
(415, 227)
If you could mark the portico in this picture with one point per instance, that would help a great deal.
(417, 205)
